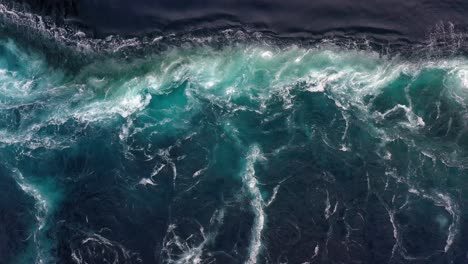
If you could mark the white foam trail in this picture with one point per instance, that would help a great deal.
(43, 207)
(96, 242)
(439, 199)
(273, 196)
(452, 208)
(444, 200)
(199, 172)
(189, 252)
(166, 156)
(256, 201)
(124, 106)
(146, 181)
(327, 211)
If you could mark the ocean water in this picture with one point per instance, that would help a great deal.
(230, 147)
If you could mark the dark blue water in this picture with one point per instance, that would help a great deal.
(233, 132)
(393, 19)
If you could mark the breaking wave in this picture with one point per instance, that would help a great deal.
(233, 147)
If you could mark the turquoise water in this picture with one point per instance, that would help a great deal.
(239, 153)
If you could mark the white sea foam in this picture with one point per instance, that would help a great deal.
(190, 250)
(257, 203)
(95, 244)
(44, 206)
(222, 78)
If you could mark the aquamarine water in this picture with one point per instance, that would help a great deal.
(247, 152)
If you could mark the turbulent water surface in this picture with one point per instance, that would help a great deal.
(229, 148)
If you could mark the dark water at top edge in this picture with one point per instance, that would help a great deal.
(72, 28)
(394, 18)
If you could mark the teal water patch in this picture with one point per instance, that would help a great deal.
(244, 153)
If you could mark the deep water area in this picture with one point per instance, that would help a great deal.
(241, 152)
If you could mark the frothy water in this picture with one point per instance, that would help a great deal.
(256, 202)
(246, 152)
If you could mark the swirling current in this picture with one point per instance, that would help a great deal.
(242, 152)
